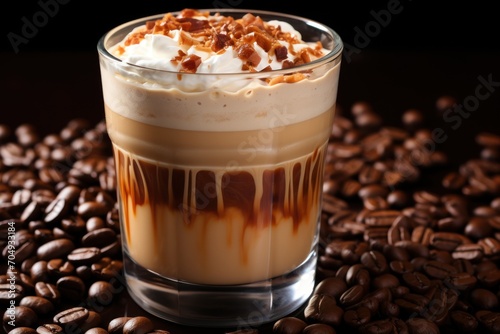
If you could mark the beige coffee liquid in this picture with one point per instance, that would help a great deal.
(220, 207)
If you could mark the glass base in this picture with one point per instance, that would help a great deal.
(242, 306)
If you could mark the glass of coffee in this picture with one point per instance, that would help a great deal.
(219, 121)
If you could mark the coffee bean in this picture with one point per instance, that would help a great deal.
(401, 266)
(416, 281)
(463, 321)
(439, 270)
(422, 326)
(323, 309)
(412, 303)
(73, 316)
(289, 325)
(358, 316)
(375, 262)
(490, 320)
(23, 317)
(49, 329)
(138, 325)
(383, 326)
(483, 299)
(101, 292)
(56, 210)
(93, 320)
(58, 248)
(471, 252)
(71, 288)
(40, 305)
(99, 237)
(10, 292)
(59, 268)
(385, 281)
(331, 286)
(352, 295)
(115, 326)
(48, 291)
(462, 281)
(84, 256)
(318, 329)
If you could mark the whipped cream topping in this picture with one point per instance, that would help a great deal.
(197, 42)
(161, 82)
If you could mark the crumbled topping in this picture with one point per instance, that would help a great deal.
(215, 33)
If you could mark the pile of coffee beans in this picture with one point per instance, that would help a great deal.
(394, 257)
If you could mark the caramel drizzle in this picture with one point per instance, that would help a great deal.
(260, 197)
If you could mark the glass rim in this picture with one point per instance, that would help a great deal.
(333, 54)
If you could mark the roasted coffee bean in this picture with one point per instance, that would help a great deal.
(101, 292)
(99, 330)
(40, 305)
(463, 321)
(59, 268)
(289, 325)
(440, 256)
(358, 275)
(401, 266)
(491, 246)
(58, 248)
(71, 288)
(92, 209)
(39, 271)
(73, 316)
(357, 317)
(413, 248)
(106, 268)
(9, 291)
(95, 223)
(484, 299)
(439, 270)
(417, 281)
(318, 329)
(381, 218)
(115, 326)
(56, 210)
(422, 235)
(412, 303)
(99, 237)
(74, 225)
(43, 235)
(84, 256)
(385, 281)
(375, 262)
(490, 320)
(93, 320)
(352, 295)
(331, 286)
(383, 326)
(489, 278)
(21, 316)
(454, 181)
(138, 325)
(49, 329)
(397, 233)
(422, 326)
(323, 309)
(462, 281)
(48, 291)
(471, 252)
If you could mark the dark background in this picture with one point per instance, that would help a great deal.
(76, 25)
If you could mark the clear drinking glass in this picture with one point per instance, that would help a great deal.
(220, 189)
